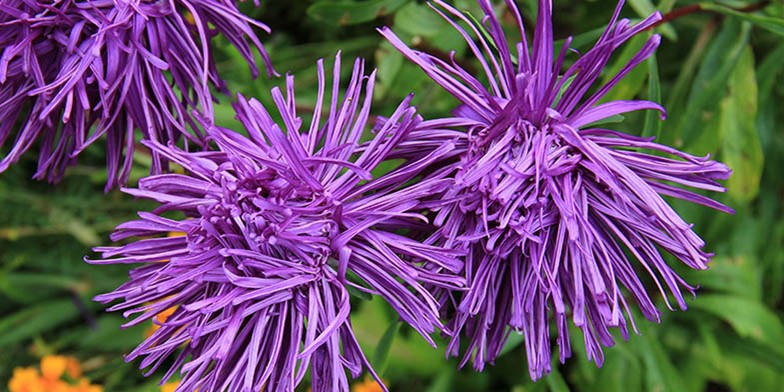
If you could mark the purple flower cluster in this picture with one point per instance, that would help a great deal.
(520, 213)
(278, 226)
(72, 72)
(557, 213)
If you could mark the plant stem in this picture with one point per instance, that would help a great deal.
(690, 9)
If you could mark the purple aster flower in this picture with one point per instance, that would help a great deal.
(72, 72)
(279, 225)
(559, 216)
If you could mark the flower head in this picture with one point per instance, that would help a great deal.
(368, 385)
(73, 72)
(558, 215)
(51, 377)
(279, 226)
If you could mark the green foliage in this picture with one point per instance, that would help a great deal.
(718, 70)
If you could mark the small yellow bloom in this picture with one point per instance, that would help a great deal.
(85, 386)
(72, 368)
(170, 386)
(53, 366)
(367, 385)
(50, 378)
(25, 380)
(160, 318)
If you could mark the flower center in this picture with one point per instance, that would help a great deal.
(275, 216)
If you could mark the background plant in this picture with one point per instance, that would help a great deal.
(718, 72)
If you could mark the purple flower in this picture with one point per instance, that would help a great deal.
(559, 216)
(279, 225)
(72, 72)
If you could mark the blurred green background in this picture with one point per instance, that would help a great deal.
(719, 73)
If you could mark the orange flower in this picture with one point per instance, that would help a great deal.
(53, 366)
(170, 386)
(160, 318)
(85, 386)
(50, 378)
(367, 385)
(25, 380)
(72, 368)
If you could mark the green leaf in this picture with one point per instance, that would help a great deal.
(628, 87)
(419, 20)
(742, 149)
(621, 371)
(442, 383)
(514, 341)
(774, 25)
(556, 382)
(653, 124)
(563, 89)
(357, 293)
(711, 83)
(614, 119)
(678, 95)
(34, 320)
(767, 73)
(389, 62)
(409, 356)
(352, 288)
(353, 12)
(666, 5)
(661, 374)
(109, 335)
(384, 344)
(750, 319)
(762, 353)
(31, 287)
(738, 276)
(644, 8)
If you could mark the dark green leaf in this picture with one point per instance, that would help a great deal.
(772, 24)
(750, 319)
(711, 82)
(653, 124)
(383, 346)
(352, 12)
(34, 320)
(742, 150)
